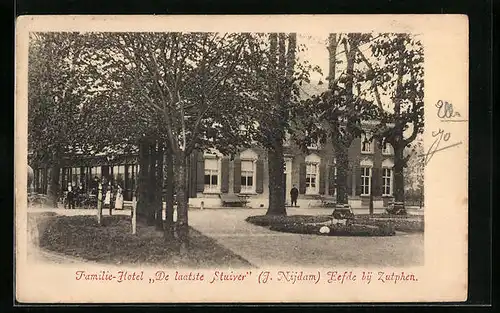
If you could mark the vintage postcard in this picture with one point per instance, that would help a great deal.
(283, 158)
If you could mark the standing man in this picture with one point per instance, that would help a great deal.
(294, 194)
(71, 197)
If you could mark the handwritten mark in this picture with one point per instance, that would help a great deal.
(447, 113)
(441, 136)
(455, 121)
(445, 110)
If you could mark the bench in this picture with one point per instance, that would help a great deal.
(396, 208)
(233, 200)
(328, 202)
(343, 214)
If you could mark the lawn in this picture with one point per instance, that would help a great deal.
(113, 243)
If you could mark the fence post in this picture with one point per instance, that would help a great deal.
(134, 214)
(99, 204)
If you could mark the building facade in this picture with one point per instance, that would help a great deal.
(211, 174)
(313, 173)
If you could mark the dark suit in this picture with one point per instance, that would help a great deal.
(294, 194)
(71, 198)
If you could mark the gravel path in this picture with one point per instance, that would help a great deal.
(264, 247)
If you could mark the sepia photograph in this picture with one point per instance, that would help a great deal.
(214, 156)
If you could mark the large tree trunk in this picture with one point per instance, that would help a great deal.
(276, 183)
(399, 190)
(55, 188)
(342, 172)
(182, 203)
(169, 197)
(152, 195)
(280, 81)
(143, 184)
(159, 188)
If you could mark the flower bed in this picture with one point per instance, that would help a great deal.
(81, 236)
(270, 220)
(336, 230)
(308, 224)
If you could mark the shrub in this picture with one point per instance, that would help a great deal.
(403, 224)
(269, 220)
(308, 224)
(336, 230)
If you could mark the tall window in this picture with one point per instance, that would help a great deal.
(211, 175)
(247, 176)
(387, 182)
(335, 180)
(366, 144)
(119, 174)
(366, 174)
(312, 178)
(95, 171)
(386, 149)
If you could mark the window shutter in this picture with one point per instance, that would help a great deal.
(259, 188)
(359, 171)
(193, 178)
(237, 176)
(322, 178)
(224, 184)
(302, 178)
(200, 171)
(376, 182)
(331, 180)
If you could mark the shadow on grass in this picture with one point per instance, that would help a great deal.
(113, 243)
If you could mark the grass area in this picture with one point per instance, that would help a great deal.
(304, 224)
(113, 243)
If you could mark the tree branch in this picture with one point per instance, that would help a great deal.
(374, 86)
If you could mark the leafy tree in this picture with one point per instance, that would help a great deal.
(56, 91)
(399, 72)
(386, 87)
(193, 88)
(274, 121)
(279, 74)
(337, 114)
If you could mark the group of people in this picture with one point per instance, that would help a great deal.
(74, 195)
(111, 194)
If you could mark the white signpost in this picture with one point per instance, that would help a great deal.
(134, 215)
(99, 204)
